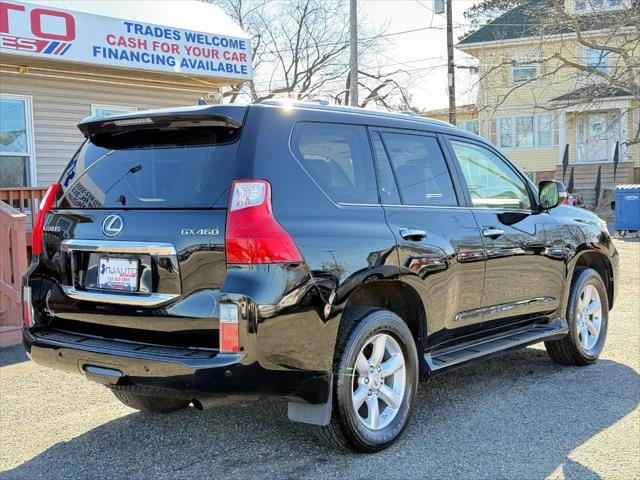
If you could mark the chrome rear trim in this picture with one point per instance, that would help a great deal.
(145, 299)
(110, 246)
(150, 300)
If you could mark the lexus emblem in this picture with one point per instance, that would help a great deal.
(112, 225)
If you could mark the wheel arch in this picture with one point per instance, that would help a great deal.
(601, 264)
(397, 297)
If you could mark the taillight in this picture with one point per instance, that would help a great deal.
(228, 328)
(253, 235)
(27, 309)
(45, 206)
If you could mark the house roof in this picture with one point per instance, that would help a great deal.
(528, 20)
(593, 91)
(468, 108)
(519, 22)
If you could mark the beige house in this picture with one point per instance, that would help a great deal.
(466, 117)
(538, 110)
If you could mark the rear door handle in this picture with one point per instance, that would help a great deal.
(492, 232)
(412, 233)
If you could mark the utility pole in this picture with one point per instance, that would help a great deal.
(353, 57)
(451, 66)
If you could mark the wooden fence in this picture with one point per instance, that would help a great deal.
(25, 200)
(13, 264)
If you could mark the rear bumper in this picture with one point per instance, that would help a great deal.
(182, 372)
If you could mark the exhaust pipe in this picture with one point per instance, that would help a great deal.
(205, 403)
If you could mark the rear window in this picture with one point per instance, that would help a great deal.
(339, 159)
(151, 168)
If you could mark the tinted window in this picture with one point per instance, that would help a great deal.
(338, 158)
(180, 168)
(420, 170)
(491, 182)
(386, 180)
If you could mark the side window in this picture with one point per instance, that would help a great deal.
(491, 182)
(420, 170)
(388, 188)
(338, 158)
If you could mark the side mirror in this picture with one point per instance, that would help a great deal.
(550, 193)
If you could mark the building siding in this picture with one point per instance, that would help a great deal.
(499, 96)
(60, 103)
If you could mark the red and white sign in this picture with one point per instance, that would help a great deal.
(38, 31)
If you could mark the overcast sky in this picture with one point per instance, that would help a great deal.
(424, 52)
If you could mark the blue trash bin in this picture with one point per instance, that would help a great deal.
(627, 208)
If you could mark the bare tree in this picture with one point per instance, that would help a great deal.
(249, 15)
(300, 48)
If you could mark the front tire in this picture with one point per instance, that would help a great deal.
(375, 381)
(588, 318)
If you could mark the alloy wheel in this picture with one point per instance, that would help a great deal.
(589, 317)
(379, 382)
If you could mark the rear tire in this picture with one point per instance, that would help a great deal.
(375, 366)
(143, 399)
(588, 317)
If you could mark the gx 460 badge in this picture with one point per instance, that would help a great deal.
(200, 231)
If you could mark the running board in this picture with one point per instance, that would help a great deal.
(445, 358)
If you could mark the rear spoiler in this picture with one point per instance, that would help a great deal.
(208, 116)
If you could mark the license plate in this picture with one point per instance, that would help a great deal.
(118, 274)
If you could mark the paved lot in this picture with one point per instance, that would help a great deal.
(516, 416)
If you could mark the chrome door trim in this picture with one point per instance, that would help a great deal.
(503, 307)
(119, 246)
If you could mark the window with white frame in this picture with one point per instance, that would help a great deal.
(17, 156)
(106, 110)
(544, 131)
(600, 60)
(525, 131)
(590, 6)
(469, 126)
(524, 71)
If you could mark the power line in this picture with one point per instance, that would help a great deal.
(407, 62)
(278, 84)
(433, 14)
(360, 40)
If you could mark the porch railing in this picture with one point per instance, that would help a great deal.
(26, 201)
(13, 264)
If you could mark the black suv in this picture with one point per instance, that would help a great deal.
(323, 254)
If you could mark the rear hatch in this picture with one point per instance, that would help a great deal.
(135, 241)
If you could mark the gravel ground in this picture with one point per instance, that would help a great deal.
(515, 416)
